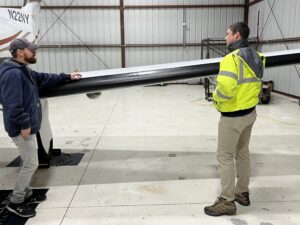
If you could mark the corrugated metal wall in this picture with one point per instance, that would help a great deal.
(11, 3)
(163, 26)
(142, 26)
(79, 27)
(282, 22)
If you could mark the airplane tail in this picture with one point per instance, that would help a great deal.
(18, 23)
(32, 8)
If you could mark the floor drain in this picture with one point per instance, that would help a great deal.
(64, 159)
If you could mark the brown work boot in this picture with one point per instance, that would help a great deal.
(242, 198)
(221, 207)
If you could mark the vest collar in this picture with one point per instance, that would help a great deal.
(242, 43)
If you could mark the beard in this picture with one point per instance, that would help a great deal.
(30, 60)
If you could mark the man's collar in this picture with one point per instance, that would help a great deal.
(17, 61)
(242, 43)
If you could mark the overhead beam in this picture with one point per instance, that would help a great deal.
(76, 7)
(183, 6)
(271, 41)
(254, 2)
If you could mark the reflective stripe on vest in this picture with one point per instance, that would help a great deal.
(223, 96)
(228, 74)
(246, 80)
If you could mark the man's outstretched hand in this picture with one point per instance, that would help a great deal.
(75, 76)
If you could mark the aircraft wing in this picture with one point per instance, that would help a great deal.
(95, 81)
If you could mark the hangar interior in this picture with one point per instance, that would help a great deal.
(149, 152)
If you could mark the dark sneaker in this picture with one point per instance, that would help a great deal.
(21, 209)
(221, 207)
(35, 199)
(242, 198)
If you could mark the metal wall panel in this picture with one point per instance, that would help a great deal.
(62, 2)
(11, 3)
(286, 79)
(181, 2)
(159, 26)
(253, 18)
(80, 2)
(80, 27)
(162, 26)
(286, 25)
(138, 56)
(286, 13)
(68, 59)
(142, 26)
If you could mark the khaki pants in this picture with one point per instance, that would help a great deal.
(233, 143)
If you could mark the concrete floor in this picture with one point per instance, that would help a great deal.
(150, 158)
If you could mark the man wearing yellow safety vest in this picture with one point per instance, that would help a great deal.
(236, 95)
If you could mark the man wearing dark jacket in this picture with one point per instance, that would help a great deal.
(19, 96)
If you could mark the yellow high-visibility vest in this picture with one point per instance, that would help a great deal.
(238, 85)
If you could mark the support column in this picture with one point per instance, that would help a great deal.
(246, 11)
(122, 27)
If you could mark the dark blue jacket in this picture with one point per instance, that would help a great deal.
(19, 95)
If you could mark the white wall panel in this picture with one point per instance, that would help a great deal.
(158, 26)
(166, 25)
(142, 26)
(153, 26)
(79, 27)
(181, 2)
(80, 2)
(253, 18)
(68, 59)
(11, 2)
(91, 26)
(286, 79)
(145, 56)
(62, 2)
(286, 13)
